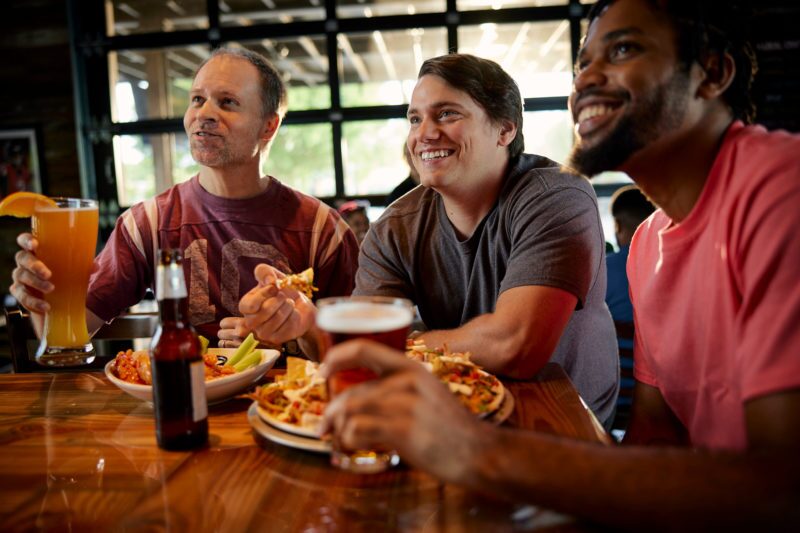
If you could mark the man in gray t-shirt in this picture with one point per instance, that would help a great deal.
(502, 252)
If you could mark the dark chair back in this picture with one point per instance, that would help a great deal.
(109, 339)
(625, 331)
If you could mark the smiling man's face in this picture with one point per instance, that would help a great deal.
(629, 89)
(454, 144)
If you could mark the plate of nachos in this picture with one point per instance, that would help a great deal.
(289, 410)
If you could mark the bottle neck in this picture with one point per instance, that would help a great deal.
(173, 310)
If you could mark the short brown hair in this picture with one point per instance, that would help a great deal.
(273, 90)
(487, 84)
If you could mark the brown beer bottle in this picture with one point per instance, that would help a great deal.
(179, 396)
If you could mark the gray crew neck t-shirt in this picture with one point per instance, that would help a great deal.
(544, 230)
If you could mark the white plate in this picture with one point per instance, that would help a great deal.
(505, 409)
(218, 389)
(281, 437)
(285, 426)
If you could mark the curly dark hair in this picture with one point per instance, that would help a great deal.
(485, 82)
(711, 27)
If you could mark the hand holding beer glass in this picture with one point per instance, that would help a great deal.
(378, 318)
(67, 235)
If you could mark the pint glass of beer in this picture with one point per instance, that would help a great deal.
(378, 318)
(67, 236)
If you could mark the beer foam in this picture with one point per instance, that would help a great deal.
(363, 317)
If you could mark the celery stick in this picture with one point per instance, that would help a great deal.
(244, 348)
(203, 345)
(251, 359)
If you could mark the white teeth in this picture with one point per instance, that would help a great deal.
(593, 111)
(435, 154)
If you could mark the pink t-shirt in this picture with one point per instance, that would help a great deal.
(717, 298)
(222, 240)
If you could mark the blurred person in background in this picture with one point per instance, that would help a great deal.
(629, 208)
(661, 92)
(354, 212)
(227, 219)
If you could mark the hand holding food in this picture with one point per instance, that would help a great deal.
(277, 314)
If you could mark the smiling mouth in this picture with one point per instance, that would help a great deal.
(205, 134)
(435, 154)
(593, 111)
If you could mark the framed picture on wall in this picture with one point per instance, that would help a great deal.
(20, 163)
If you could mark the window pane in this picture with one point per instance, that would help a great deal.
(303, 63)
(372, 152)
(302, 157)
(248, 12)
(376, 8)
(535, 54)
(152, 83)
(548, 133)
(135, 165)
(147, 165)
(183, 165)
(380, 68)
(471, 5)
(143, 16)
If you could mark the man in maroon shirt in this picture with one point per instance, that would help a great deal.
(227, 219)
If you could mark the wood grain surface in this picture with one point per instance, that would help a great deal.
(79, 454)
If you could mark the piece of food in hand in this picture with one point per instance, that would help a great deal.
(22, 204)
(302, 282)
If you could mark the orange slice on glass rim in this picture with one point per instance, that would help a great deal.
(22, 204)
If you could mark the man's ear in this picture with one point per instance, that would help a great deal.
(508, 131)
(270, 128)
(719, 71)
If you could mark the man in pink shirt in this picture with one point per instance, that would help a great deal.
(661, 92)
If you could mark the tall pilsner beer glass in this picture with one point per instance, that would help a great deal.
(67, 236)
(381, 319)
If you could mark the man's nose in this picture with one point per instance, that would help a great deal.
(207, 111)
(428, 129)
(590, 75)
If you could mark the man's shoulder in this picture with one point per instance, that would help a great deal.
(416, 203)
(539, 174)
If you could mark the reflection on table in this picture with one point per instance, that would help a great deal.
(78, 454)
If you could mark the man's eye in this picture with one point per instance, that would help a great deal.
(447, 114)
(197, 99)
(413, 120)
(623, 49)
(228, 101)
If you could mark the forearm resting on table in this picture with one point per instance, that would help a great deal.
(519, 337)
(661, 488)
(506, 353)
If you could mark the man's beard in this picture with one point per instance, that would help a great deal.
(662, 111)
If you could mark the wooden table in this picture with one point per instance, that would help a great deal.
(78, 454)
